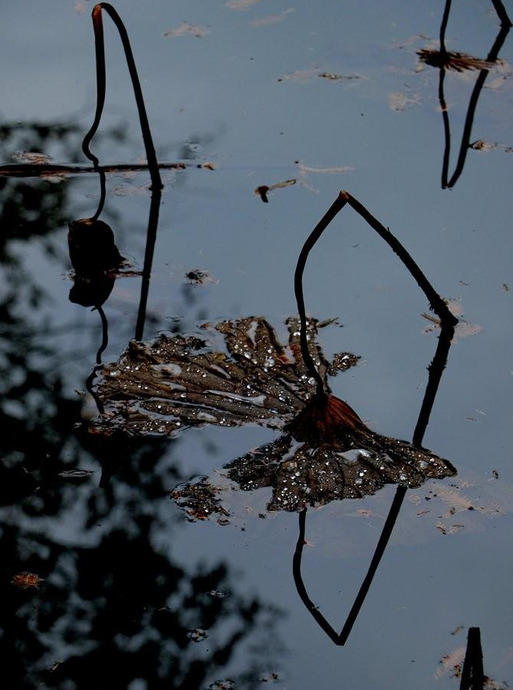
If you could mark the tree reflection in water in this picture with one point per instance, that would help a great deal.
(113, 603)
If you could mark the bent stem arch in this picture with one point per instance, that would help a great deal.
(447, 322)
(101, 88)
(447, 319)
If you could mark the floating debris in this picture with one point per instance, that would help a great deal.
(338, 77)
(179, 381)
(199, 277)
(481, 145)
(399, 101)
(199, 499)
(459, 62)
(186, 29)
(76, 475)
(271, 19)
(326, 452)
(240, 4)
(272, 677)
(217, 595)
(197, 635)
(208, 165)
(264, 190)
(26, 580)
(222, 685)
(31, 157)
(300, 75)
(307, 74)
(463, 328)
(451, 664)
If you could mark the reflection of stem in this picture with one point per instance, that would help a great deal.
(300, 586)
(93, 392)
(472, 676)
(341, 639)
(101, 83)
(476, 92)
(376, 558)
(448, 322)
(435, 370)
(151, 237)
(105, 334)
(103, 194)
(501, 11)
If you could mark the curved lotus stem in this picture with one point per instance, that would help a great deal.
(447, 319)
(100, 90)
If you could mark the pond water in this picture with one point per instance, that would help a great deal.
(106, 582)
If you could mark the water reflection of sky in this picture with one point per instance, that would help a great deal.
(222, 94)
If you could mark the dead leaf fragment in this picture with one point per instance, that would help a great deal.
(263, 190)
(271, 19)
(26, 580)
(325, 452)
(399, 101)
(186, 29)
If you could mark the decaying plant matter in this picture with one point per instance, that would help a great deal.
(325, 452)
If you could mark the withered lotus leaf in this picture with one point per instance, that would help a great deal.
(459, 62)
(179, 381)
(236, 373)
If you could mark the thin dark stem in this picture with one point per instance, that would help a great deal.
(376, 558)
(151, 238)
(300, 585)
(105, 335)
(447, 320)
(341, 638)
(31, 170)
(443, 26)
(472, 105)
(501, 11)
(441, 98)
(101, 82)
(103, 194)
(472, 676)
(476, 92)
(321, 226)
(92, 390)
(447, 129)
(435, 301)
(435, 369)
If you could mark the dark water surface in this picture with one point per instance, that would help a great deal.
(127, 591)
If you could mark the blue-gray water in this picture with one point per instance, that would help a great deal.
(249, 96)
